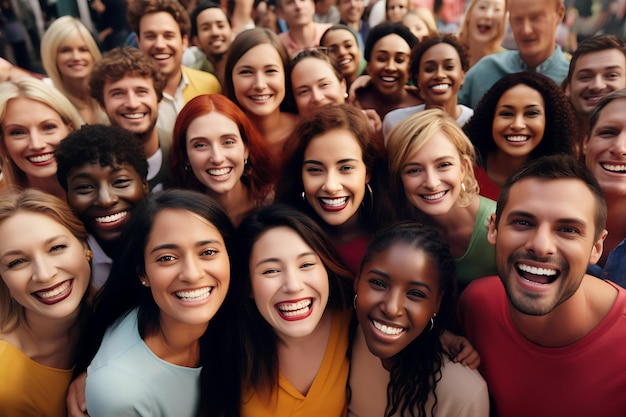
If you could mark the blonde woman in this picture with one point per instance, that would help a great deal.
(483, 28)
(34, 118)
(431, 168)
(68, 54)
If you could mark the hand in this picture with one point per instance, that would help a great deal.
(460, 350)
(361, 82)
(373, 119)
(76, 404)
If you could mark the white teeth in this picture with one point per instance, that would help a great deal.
(194, 295)
(614, 168)
(345, 61)
(393, 331)
(219, 172)
(112, 218)
(161, 56)
(389, 79)
(295, 309)
(537, 271)
(263, 97)
(133, 115)
(433, 196)
(440, 87)
(520, 138)
(55, 291)
(334, 202)
(41, 158)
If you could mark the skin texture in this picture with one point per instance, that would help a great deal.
(596, 74)
(103, 197)
(344, 49)
(161, 40)
(398, 293)
(31, 132)
(132, 104)
(441, 76)
(485, 19)
(334, 177)
(289, 283)
(396, 9)
(43, 265)
(389, 64)
(74, 59)
(315, 84)
(214, 32)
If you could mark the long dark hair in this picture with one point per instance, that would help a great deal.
(258, 340)
(417, 368)
(123, 292)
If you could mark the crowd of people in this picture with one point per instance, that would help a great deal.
(302, 208)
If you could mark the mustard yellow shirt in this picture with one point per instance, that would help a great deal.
(28, 388)
(327, 395)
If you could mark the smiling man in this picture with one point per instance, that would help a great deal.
(534, 24)
(212, 32)
(162, 28)
(129, 86)
(549, 335)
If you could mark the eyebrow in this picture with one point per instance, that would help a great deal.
(175, 246)
(564, 220)
(612, 67)
(268, 260)
(387, 276)
(46, 242)
(341, 161)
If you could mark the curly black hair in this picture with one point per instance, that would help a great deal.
(421, 47)
(387, 28)
(561, 129)
(105, 145)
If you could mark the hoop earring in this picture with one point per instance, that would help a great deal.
(463, 186)
(432, 322)
(303, 195)
(368, 188)
(354, 301)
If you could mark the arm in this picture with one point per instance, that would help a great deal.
(460, 349)
(76, 404)
(242, 15)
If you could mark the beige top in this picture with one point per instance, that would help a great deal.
(460, 392)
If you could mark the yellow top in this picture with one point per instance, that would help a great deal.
(327, 395)
(28, 388)
(199, 82)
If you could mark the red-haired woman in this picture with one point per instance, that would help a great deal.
(216, 150)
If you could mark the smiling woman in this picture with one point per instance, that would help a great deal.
(44, 271)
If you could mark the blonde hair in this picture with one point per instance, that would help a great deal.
(426, 16)
(411, 134)
(464, 35)
(37, 90)
(58, 32)
(12, 202)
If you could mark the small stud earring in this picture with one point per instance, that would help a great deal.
(88, 255)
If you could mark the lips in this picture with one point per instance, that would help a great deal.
(440, 88)
(133, 116)
(42, 158)
(296, 309)
(334, 203)
(260, 98)
(618, 168)
(111, 221)
(161, 57)
(219, 172)
(55, 294)
(536, 274)
(196, 295)
(434, 196)
(517, 138)
(388, 330)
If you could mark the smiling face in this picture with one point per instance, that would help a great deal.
(43, 265)
(544, 242)
(103, 197)
(344, 49)
(289, 282)
(216, 152)
(351, 11)
(605, 149)
(534, 24)
(335, 176)
(432, 177)
(187, 267)
(259, 80)
(132, 104)
(74, 60)
(214, 32)
(397, 294)
(519, 121)
(31, 131)
(486, 19)
(389, 64)
(161, 40)
(315, 84)
(440, 75)
(596, 74)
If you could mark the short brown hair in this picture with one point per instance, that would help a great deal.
(124, 62)
(139, 8)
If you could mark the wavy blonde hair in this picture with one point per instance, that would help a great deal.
(36, 90)
(410, 135)
(464, 35)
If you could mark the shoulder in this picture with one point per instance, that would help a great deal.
(461, 391)
(203, 80)
(482, 290)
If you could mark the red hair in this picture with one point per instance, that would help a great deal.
(258, 175)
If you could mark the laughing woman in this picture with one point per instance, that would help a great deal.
(44, 266)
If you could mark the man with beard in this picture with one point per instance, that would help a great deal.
(550, 336)
(129, 86)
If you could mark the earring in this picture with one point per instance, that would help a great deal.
(345, 95)
(245, 161)
(354, 301)
(463, 186)
(187, 167)
(144, 282)
(303, 195)
(88, 255)
(432, 322)
(368, 188)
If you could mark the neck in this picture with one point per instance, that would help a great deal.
(237, 202)
(177, 343)
(478, 49)
(457, 217)
(78, 89)
(50, 185)
(450, 107)
(346, 232)
(534, 61)
(501, 166)
(150, 142)
(304, 35)
(173, 81)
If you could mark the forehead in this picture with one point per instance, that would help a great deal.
(338, 36)
(391, 43)
(520, 94)
(213, 14)
(130, 81)
(440, 50)
(597, 61)
(311, 68)
(96, 168)
(613, 113)
(272, 244)
(521, 8)
(158, 22)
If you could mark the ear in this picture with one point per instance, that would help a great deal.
(185, 41)
(585, 144)
(145, 187)
(561, 11)
(598, 247)
(492, 231)
(195, 41)
(567, 91)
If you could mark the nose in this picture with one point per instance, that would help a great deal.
(132, 100)
(260, 82)
(36, 141)
(597, 83)
(106, 198)
(393, 304)
(75, 54)
(391, 65)
(159, 41)
(618, 147)
(518, 122)
(332, 184)
(217, 156)
(489, 12)
(44, 269)
(432, 180)
(191, 269)
(541, 242)
(526, 27)
(291, 282)
(439, 73)
(317, 97)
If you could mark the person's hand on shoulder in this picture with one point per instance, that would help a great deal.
(76, 403)
(460, 350)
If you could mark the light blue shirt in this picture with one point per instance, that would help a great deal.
(491, 68)
(615, 267)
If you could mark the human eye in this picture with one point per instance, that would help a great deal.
(346, 168)
(521, 223)
(400, 59)
(166, 258)
(58, 247)
(606, 133)
(416, 294)
(244, 71)
(302, 92)
(122, 182)
(533, 113)
(613, 76)
(505, 113)
(450, 67)
(429, 68)
(15, 132)
(15, 263)
(377, 283)
(307, 265)
(199, 145)
(444, 165)
(49, 127)
(412, 170)
(209, 252)
(312, 169)
(83, 188)
(333, 50)
(569, 230)
(270, 271)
